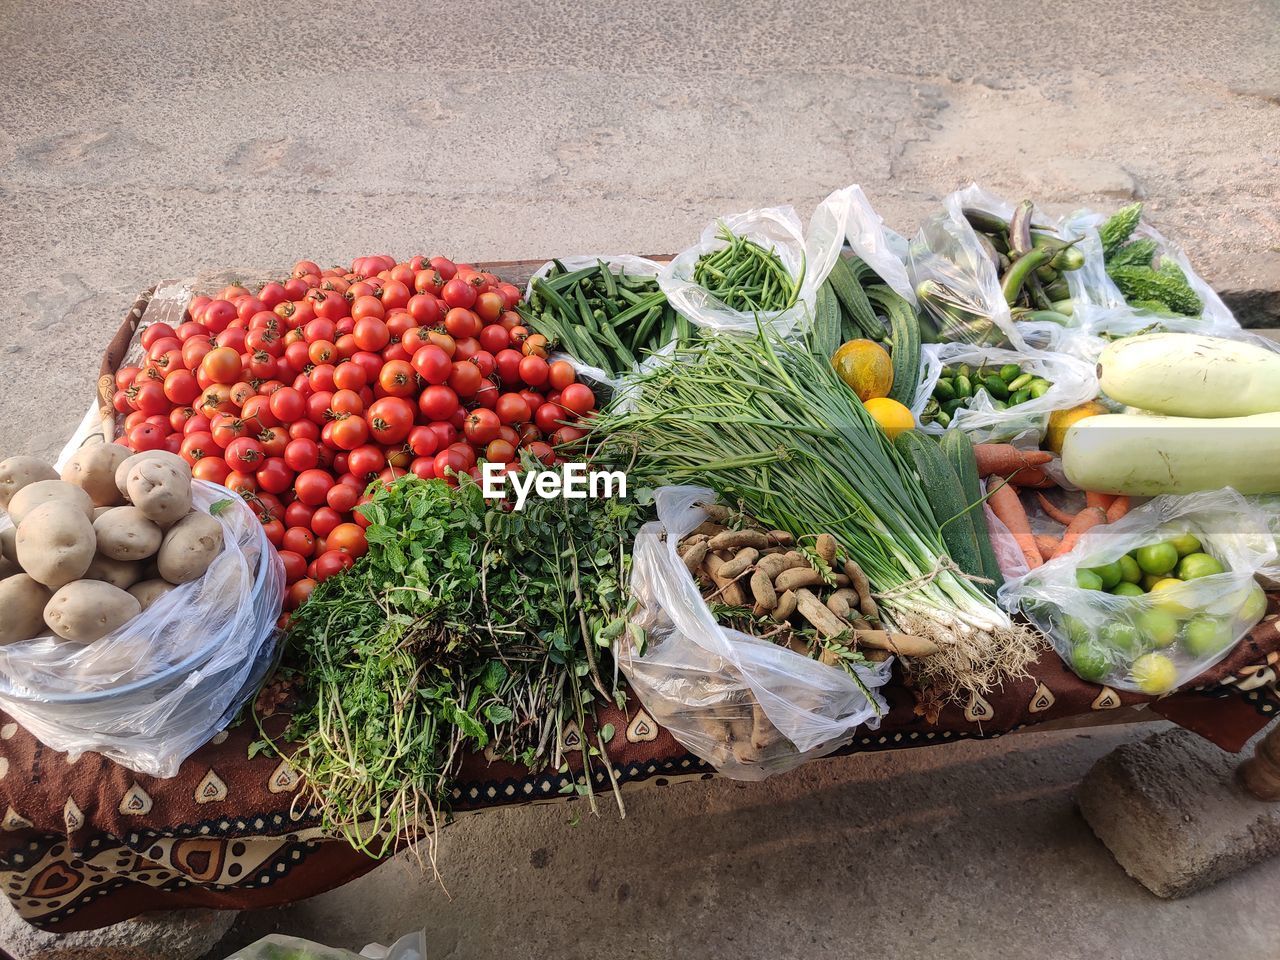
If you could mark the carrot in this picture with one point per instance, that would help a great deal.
(1004, 503)
(1004, 458)
(1085, 520)
(1100, 500)
(1033, 477)
(1048, 545)
(1119, 507)
(1057, 513)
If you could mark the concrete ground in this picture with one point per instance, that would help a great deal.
(141, 140)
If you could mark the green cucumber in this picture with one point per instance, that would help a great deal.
(853, 299)
(958, 449)
(824, 339)
(942, 490)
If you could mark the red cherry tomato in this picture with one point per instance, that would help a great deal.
(465, 379)
(578, 398)
(422, 442)
(371, 333)
(438, 402)
(349, 538)
(534, 371)
(274, 476)
(481, 427)
(398, 379)
(365, 461)
(197, 446)
(212, 469)
(350, 432)
(561, 374)
(507, 362)
(244, 455)
(342, 497)
(512, 408)
(301, 454)
(324, 520)
(432, 363)
(332, 562)
(311, 486)
(390, 420)
(350, 376)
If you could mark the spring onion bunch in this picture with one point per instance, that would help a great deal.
(771, 427)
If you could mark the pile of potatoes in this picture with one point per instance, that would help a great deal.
(90, 550)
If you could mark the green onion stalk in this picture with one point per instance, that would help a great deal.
(772, 428)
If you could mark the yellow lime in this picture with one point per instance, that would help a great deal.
(1157, 557)
(1168, 602)
(1186, 543)
(892, 416)
(1196, 565)
(1160, 627)
(1254, 606)
(1061, 420)
(1204, 636)
(1090, 661)
(1127, 589)
(1130, 572)
(1154, 674)
(866, 367)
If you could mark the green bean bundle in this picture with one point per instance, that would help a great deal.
(745, 276)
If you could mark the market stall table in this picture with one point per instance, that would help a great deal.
(90, 843)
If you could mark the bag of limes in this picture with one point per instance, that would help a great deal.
(1148, 603)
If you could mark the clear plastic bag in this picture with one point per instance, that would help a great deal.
(1074, 382)
(627, 264)
(412, 946)
(749, 707)
(1157, 641)
(880, 247)
(1101, 308)
(151, 693)
(968, 304)
(807, 256)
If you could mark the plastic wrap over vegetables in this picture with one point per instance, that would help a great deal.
(749, 707)
(772, 279)
(987, 411)
(1149, 602)
(149, 694)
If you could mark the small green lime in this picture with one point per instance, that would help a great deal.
(1130, 572)
(1160, 627)
(1108, 573)
(1158, 557)
(1254, 606)
(1123, 637)
(1185, 543)
(1196, 565)
(1090, 661)
(1088, 580)
(1149, 580)
(1077, 630)
(1126, 589)
(1204, 636)
(1154, 674)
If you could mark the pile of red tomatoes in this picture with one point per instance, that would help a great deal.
(301, 395)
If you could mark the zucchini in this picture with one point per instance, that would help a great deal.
(904, 330)
(958, 450)
(942, 490)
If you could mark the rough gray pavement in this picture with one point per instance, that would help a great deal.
(1169, 810)
(968, 852)
(141, 140)
(173, 935)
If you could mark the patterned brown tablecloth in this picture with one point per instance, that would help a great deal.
(90, 843)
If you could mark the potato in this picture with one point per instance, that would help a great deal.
(93, 469)
(125, 533)
(17, 472)
(161, 491)
(189, 547)
(8, 544)
(149, 591)
(119, 573)
(164, 456)
(56, 542)
(23, 601)
(88, 610)
(42, 491)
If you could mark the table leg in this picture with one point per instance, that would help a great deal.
(1260, 774)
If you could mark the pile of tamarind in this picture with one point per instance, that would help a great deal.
(750, 567)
